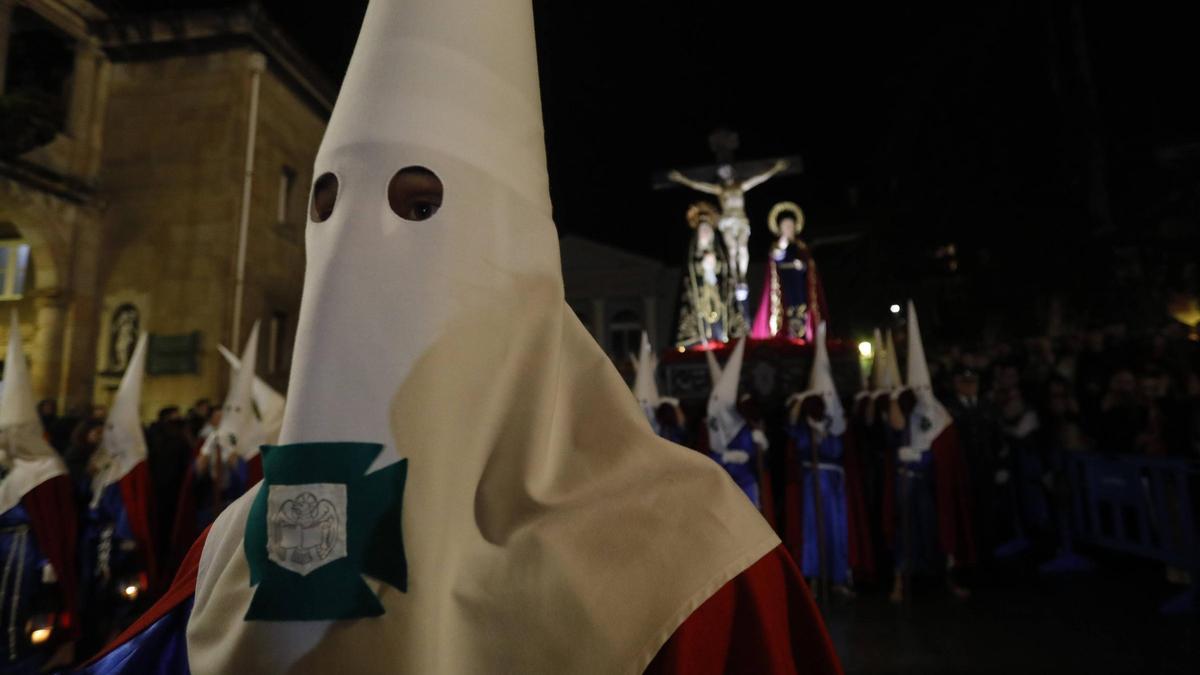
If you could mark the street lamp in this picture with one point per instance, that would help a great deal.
(895, 309)
(865, 349)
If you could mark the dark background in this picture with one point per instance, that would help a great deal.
(1055, 145)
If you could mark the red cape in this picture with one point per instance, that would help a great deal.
(862, 559)
(953, 499)
(51, 508)
(764, 622)
(184, 529)
(135, 493)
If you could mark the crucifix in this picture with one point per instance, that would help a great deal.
(731, 191)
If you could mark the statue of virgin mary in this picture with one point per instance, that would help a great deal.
(793, 300)
(708, 311)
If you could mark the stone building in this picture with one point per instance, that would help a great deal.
(618, 294)
(163, 191)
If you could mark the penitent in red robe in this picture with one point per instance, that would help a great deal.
(763, 622)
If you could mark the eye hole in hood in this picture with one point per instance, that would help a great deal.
(324, 196)
(415, 193)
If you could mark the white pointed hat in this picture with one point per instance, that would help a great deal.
(17, 406)
(645, 388)
(879, 374)
(893, 363)
(269, 403)
(30, 458)
(918, 369)
(931, 417)
(238, 433)
(123, 445)
(443, 335)
(724, 420)
(820, 382)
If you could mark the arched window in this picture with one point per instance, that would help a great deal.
(624, 333)
(14, 268)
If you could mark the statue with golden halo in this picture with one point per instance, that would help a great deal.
(708, 310)
(733, 223)
(793, 299)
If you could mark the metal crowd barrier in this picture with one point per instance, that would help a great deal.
(1142, 506)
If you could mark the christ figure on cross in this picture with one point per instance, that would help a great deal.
(734, 225)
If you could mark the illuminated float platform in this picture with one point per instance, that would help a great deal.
(773, 370)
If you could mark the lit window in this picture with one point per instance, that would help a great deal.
(14, 268)
(287, 181)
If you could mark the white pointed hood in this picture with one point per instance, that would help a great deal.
(879, 367)
(239, 431)
(645, 388)
(820, 382)
(29, 458)
(17, 406)
(724, 420)
(269, 403)
(123, 445)
(894, 379)
(449, 341)
(930, 418)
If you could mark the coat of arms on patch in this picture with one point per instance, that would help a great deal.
(319, 524)
(306, 527)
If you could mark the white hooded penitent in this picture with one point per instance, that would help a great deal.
(931, 416)
(269, 403)
(433, 322)
(895, 381)
(879, 368)
(239, 434)
(820, 382)
(123, 445)
(645, 388)
(724, 420)
(30, 458)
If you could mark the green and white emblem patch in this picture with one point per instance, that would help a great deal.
(319, 523)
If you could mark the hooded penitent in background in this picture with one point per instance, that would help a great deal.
(227, 463)
(731, 441)
(871, 434)
(926, 499)
(793, 300)
(267, 418)
(237, 440)
(708, 310)
(827, 534)
(269, 407)
(119, 554)
(664, 413)
(39, 589)
(554, 532)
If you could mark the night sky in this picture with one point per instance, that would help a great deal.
(1034, 136)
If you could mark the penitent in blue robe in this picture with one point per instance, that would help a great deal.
(109, 560)
(745, 475)
(831, 480)
(916, 509)
(22, 592)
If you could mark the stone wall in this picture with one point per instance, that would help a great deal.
(172, 173)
